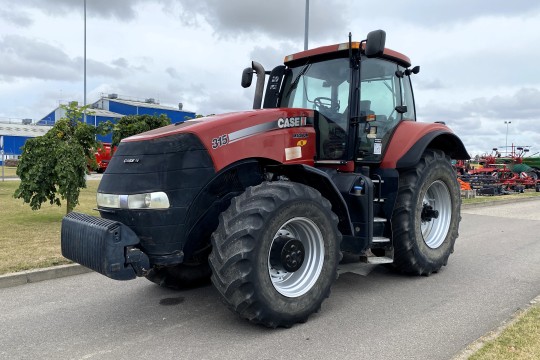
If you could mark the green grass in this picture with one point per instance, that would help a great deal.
(519, 341)
(486, 199)
(9, 172)
(31, 239)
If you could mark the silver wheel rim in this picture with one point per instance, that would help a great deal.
(434, 231)
(294, 284)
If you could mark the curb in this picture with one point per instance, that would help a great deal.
(32, 276)
(479, 343)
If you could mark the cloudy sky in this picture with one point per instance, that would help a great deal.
(478, 58)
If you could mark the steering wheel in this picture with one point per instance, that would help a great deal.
(325, 103)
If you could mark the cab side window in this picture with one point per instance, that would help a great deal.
(380, 93)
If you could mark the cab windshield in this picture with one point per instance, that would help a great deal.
(322, 86)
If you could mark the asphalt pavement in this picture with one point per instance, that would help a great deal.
(494, 272)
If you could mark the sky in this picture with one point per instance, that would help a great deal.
(478, 59)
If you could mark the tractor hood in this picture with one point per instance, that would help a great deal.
(264, 133)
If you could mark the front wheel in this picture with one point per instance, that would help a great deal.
(426, 216)
(275, 253)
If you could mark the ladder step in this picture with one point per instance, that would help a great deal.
(379, 260)
(380, 239)
(379, 219)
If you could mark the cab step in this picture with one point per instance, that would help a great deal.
(379, 260)
(380, 239)
(370, 258)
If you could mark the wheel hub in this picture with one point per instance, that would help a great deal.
(428, 213)
(287, 254)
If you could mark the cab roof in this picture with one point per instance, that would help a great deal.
(332, 50)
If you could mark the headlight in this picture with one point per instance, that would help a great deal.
(108, 200)
(154, 200)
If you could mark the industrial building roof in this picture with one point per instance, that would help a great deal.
(23, 130)
(102, 113)
(142, 104)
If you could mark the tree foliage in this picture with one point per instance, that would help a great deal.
(135, 124)
(53, 166)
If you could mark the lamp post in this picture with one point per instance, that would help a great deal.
(306, 29)
(506, 143)
(85, 62)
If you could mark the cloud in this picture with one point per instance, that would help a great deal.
(270, 56)
(173, 73)
(119, 9)
(120, 62)
(430, 14)
(280, 19)
(29, 58)
(524, 104)
(19, 18)
(480, 122)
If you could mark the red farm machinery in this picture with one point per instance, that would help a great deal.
(266, 202)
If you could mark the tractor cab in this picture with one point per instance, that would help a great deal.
(360, 92)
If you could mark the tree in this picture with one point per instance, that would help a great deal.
(53, 166)
(135, 124)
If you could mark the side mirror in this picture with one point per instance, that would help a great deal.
(375, 43)
(402, 109)
(414, 70)
(247, 77)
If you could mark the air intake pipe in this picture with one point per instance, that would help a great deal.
(259, 87)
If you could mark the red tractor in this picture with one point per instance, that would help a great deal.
(266, 202)
(103, 156)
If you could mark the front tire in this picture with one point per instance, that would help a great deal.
(426, 216)
(275, 253)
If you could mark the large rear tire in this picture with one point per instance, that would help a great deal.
(275, 253)
(426, 216)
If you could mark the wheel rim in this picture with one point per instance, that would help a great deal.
(434, 231)
(299, 282)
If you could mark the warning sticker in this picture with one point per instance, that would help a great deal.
(377, 147)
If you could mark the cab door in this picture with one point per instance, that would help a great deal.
(385, 100)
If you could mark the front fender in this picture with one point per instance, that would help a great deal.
(319, 180)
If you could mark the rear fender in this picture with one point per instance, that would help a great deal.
(411, 139)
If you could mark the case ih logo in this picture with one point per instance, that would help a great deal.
(292, 122)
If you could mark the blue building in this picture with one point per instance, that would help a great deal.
(93, 117)
(108, 108)
(127, 106)
(112, 107)
(14, 135)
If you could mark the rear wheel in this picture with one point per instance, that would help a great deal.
(275, 253)
(427, 215)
